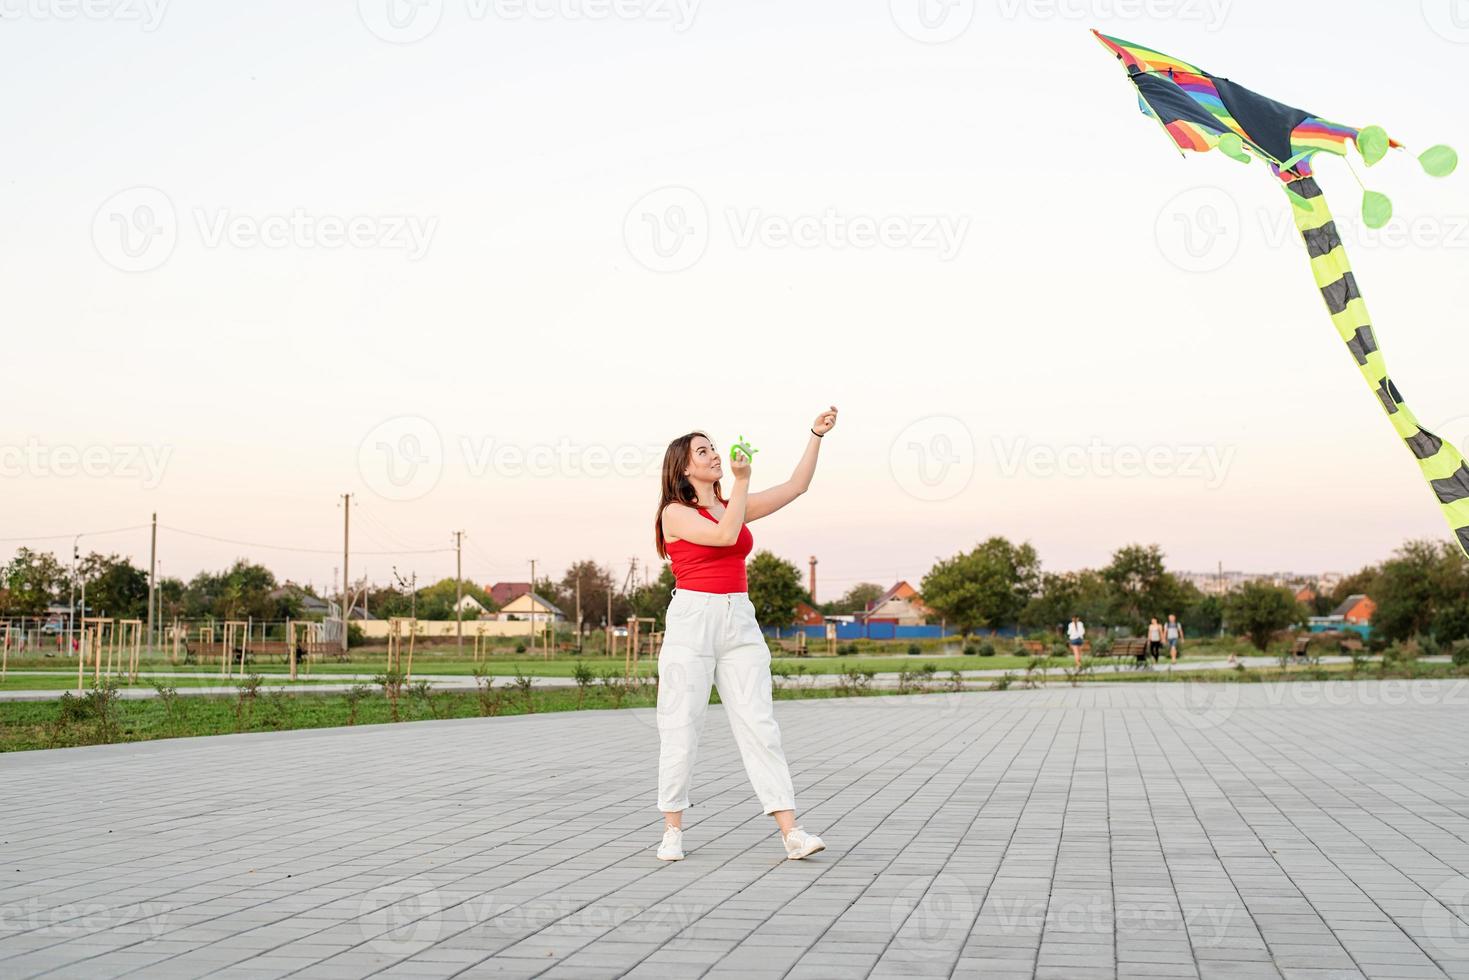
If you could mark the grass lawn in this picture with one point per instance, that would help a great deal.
(94, 718)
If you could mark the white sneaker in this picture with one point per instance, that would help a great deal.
(800, 844)
(672, 847)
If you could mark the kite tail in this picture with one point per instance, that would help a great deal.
(1443, 466)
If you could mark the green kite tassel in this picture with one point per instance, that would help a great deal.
(1376, 209)
(1373, 144)
(1439, 161)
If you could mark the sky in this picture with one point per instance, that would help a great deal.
(476, 262)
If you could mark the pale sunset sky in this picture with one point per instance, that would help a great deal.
(477, 261)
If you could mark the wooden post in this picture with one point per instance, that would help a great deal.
(412, 635)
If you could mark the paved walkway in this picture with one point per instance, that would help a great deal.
(1183, 830)
(466, 682)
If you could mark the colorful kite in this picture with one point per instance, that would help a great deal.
(1202, 112)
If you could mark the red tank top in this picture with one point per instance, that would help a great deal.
(704, 568)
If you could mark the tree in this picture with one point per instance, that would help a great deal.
(1203, 617)
(1141, 586)
(987, 588)
(1412, 589)
(1259, 609)
(855, 601)
(775, 587)
(241, 592)
(114, 586)
(596, 585)
(652, 600)
(30, 582)
(1084, 593)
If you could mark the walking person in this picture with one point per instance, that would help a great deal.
(1076, 636)
(1173, 632)
(1155, 639)
(712, 635)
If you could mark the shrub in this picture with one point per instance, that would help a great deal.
(355, 695)
(986, 649)
(1003, 683)
(520, 648)
(914, 649)
(1460, 653)
(971, 650)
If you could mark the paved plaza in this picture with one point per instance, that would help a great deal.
(1123, 830)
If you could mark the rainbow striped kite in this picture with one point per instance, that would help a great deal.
(1202, 112)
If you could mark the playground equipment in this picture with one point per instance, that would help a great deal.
(634, 637)
(235, 631)
(303, 637)
(395, 643)
(96, 631)
(129, 636)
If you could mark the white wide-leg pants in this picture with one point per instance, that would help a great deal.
(714, 638)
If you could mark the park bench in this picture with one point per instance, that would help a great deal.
(1130, 646)
(1299, 650)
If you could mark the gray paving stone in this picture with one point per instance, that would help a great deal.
(1308, 831)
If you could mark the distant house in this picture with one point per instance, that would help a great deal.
(470, 606)
(530, 607)
(503, 592)
(310, 604)
(1305, 595)
(1357, 610)
(900, 604)
(808, 616)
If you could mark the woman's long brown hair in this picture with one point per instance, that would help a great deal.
(676, 487)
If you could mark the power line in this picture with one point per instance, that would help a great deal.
(287, 547)
(83, 534)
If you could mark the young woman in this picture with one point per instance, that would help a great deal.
(1155, 639)
(712, 636)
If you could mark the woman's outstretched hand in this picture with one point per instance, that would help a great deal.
(825, 422)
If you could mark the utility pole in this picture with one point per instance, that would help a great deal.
(459, 590)
(578, 614)
(346, 587)
(152, 579)
(532, 606)
(71, 619)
